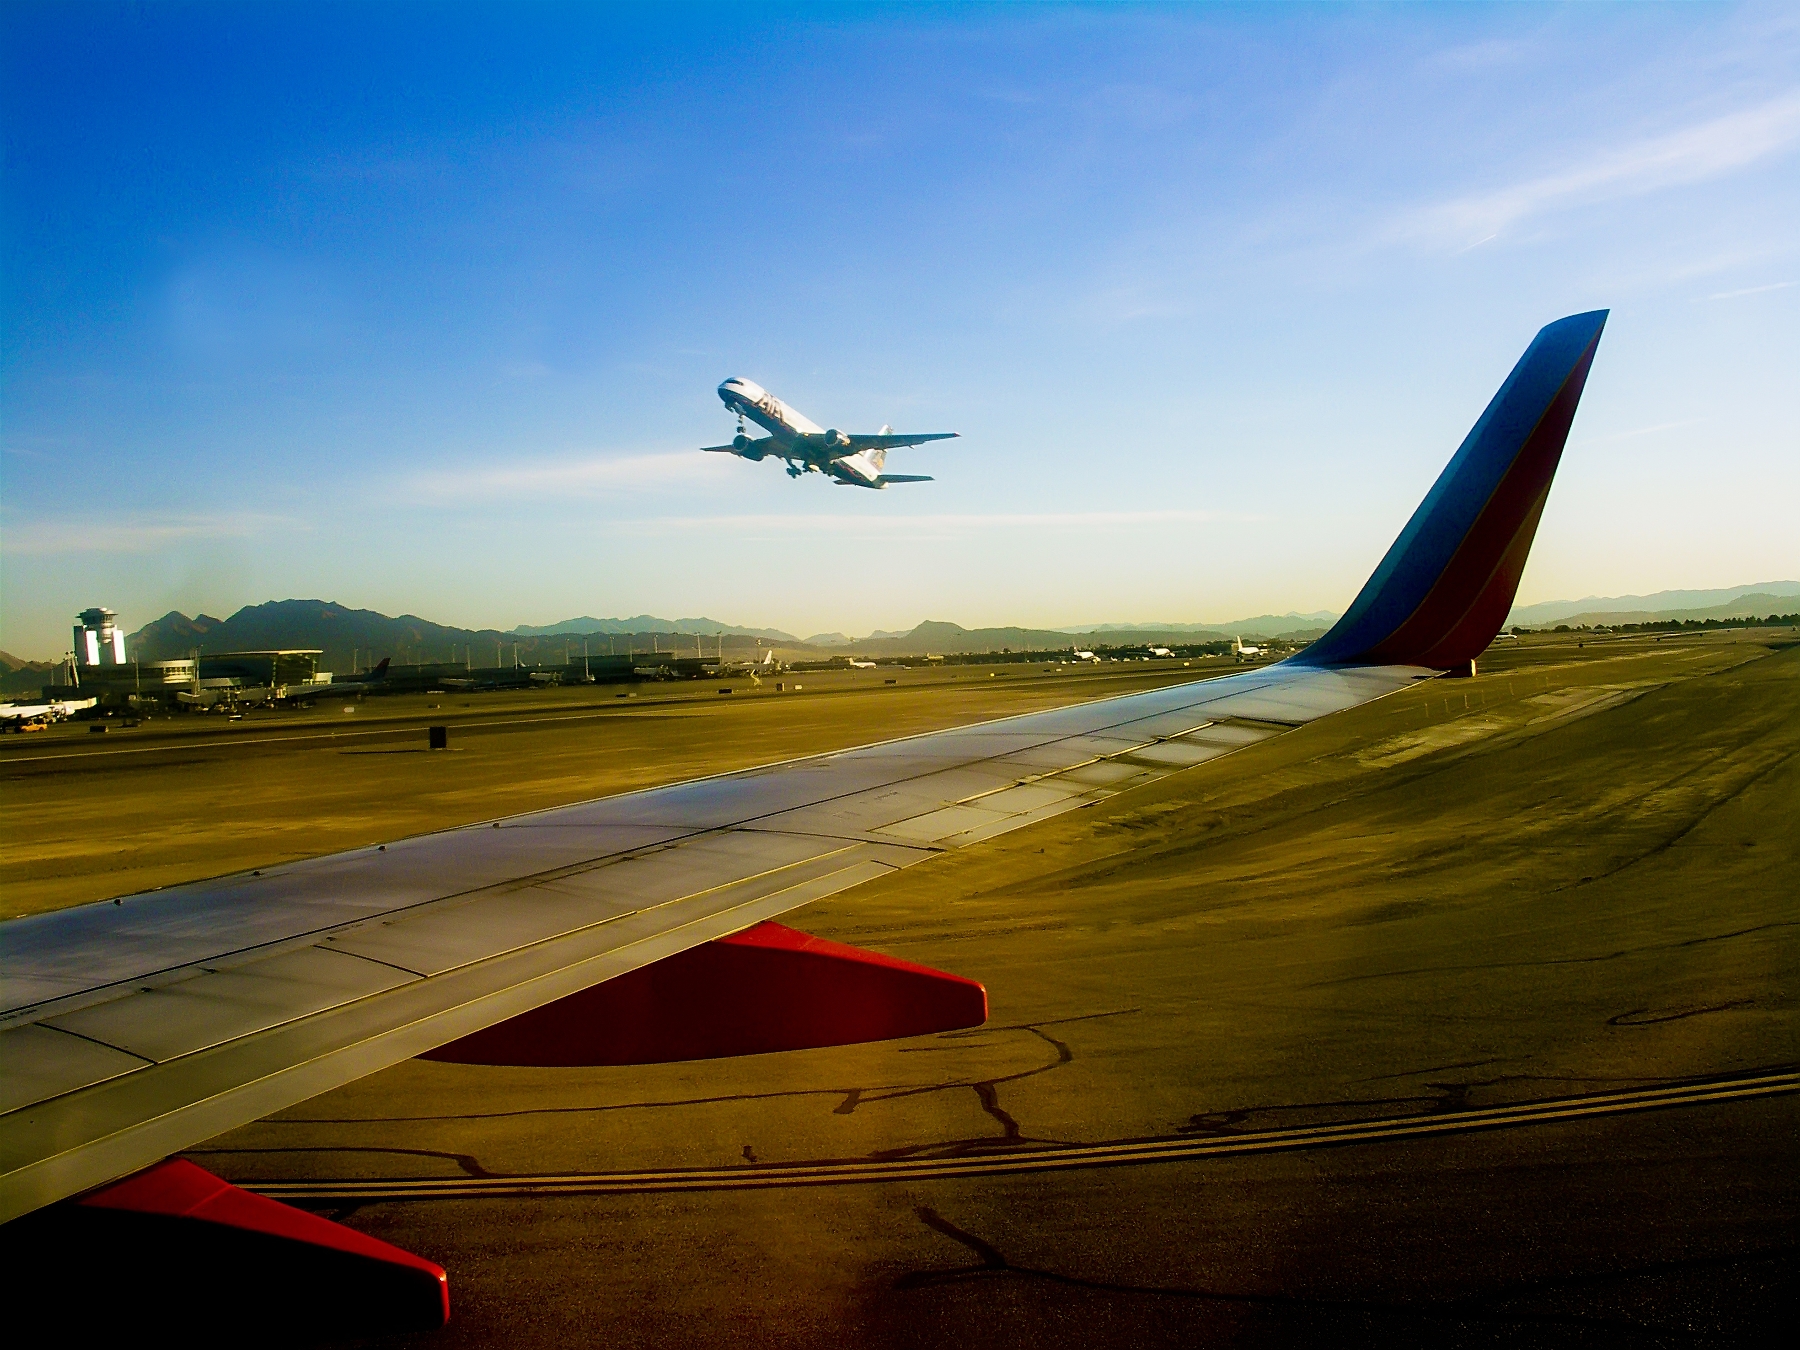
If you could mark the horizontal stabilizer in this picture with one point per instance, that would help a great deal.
(1445, 587)
(887, 478)
(767, 988)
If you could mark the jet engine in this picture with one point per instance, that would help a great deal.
(742, 444)
(835, 439)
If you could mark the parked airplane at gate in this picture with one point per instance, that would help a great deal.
(635, 929)
(54, 710)
(334, 685)
(848, 459)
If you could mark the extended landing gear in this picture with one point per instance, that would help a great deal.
(794, 470)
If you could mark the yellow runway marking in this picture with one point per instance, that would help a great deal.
(1176, 1149)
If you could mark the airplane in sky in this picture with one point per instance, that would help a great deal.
(848, 459)
(634, 929)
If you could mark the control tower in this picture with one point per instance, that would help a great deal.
(98, 640)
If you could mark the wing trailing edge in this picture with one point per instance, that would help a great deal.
(1445, 587)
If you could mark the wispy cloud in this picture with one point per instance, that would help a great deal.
(936, 525)
(1636, 432)
(43, 538)
(1694, 154)
(1751, 290)
(1485, 55)
(591, 476)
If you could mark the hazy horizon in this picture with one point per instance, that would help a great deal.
(427, 316)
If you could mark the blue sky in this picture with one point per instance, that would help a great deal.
(422, 307)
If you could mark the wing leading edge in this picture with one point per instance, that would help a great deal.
(131, 1030)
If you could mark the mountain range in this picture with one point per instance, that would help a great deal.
(19, 677)
(1734, 602)
(346, 635)
(649, 623)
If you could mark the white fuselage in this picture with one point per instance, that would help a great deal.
(44, 712)
(798, 438)
(751, 400)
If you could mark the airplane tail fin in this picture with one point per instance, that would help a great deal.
(380, 671)
(1446, 585)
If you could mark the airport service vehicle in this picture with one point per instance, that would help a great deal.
(628, 930)
(848, 459)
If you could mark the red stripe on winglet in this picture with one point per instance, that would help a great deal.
(1471, 637)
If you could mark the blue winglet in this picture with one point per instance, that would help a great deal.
(1445, 587)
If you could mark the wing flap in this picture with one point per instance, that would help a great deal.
(211, 1007)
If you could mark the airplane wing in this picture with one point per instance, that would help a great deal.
(757, 449)
(895, 442)
(134, 1028)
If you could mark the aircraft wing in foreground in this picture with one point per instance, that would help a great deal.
(847, 458)
(637, 928)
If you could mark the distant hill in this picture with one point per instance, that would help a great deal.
(1752, 605)
(649, 623)
(21, 677)
(937, 637)
(1661, 605)
(1267, 625)
(343, 633)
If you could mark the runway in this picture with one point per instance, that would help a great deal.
(1122, 1153)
